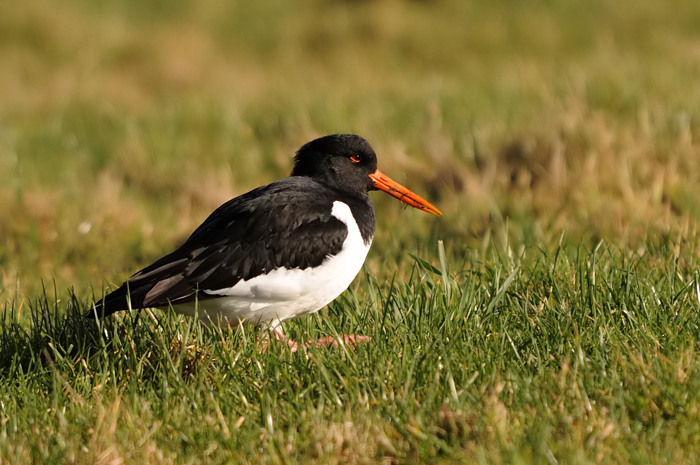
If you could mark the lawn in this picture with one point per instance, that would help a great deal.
(550, 316)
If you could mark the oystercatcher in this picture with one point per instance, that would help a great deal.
(277, 252)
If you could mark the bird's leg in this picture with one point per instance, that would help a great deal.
(276, 330)
(279, 335)
(350, 340)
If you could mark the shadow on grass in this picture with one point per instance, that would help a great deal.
(54, 328)
(54, 335)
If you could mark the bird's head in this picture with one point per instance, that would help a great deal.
(348, 163)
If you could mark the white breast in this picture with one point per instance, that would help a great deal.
(287, 293)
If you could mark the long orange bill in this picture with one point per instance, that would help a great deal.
(393, 188)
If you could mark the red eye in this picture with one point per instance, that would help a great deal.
(355, 158)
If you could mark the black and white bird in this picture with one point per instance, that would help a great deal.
(277, 252)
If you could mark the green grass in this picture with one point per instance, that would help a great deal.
(556, 323)
(575, 355)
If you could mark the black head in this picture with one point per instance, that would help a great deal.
(341, 161)
(348, 163)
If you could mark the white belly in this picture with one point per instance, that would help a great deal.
(287, 293)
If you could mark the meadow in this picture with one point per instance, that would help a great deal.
(550, 316)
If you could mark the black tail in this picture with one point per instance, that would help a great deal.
(116, 301)
(157, 285)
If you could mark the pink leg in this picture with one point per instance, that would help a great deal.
(279, 335)
(350, 340)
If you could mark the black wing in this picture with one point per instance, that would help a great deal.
(283, 224)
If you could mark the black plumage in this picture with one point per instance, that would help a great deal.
(278, 251)
(285, 224)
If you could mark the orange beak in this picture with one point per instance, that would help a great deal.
(394, 189)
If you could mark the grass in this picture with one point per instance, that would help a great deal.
(580, 356)
(549, 317)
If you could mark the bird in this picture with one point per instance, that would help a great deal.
(280, 251)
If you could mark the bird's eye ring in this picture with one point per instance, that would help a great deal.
(355, 158)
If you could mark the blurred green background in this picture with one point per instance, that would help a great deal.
(123, 124)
